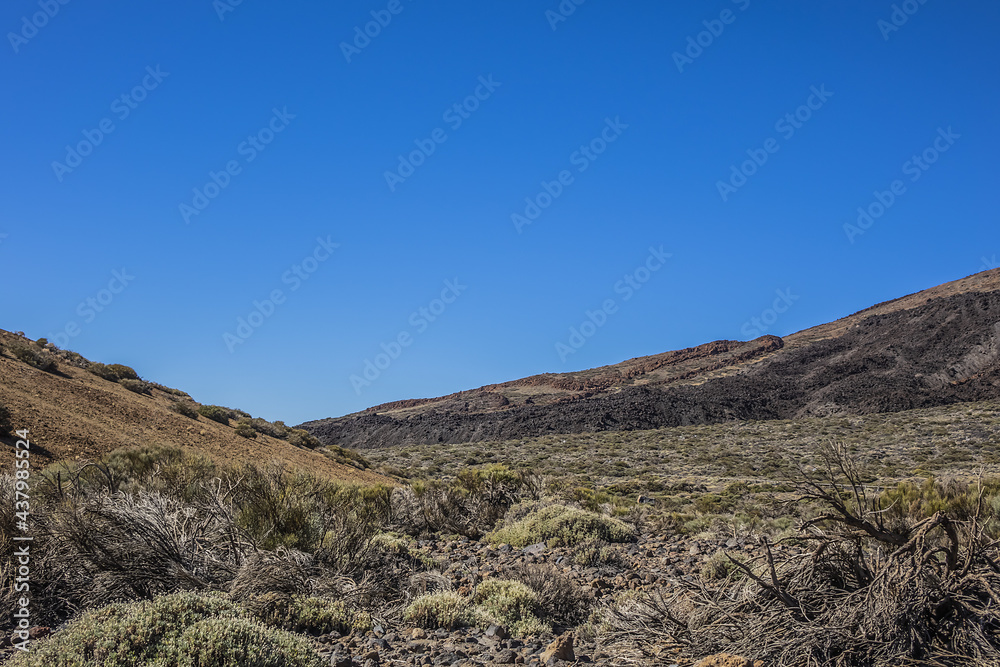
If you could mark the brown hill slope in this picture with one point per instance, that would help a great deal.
(934, 347)
(74, 415)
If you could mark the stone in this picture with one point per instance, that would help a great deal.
(497, 632)
(534, 549)
(560, 649)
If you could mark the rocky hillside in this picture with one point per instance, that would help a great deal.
(74, 415)
(936, 347)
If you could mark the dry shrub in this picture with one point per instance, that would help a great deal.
(470, 505)
(877, 589)
(561, 602)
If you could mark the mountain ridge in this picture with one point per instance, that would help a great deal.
(726, 379)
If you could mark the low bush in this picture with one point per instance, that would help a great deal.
(215, 413)
(275, 430)
(112, 372)
(560, 601)
(444, 609)
(184, 408)
(183, 629)
(511, 604)
(470, 505)
(559, 525)
(301, 438)
(43, 360)
(313, 615)
(245, 429)
(137, 386)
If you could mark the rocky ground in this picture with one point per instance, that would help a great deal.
(654, 562)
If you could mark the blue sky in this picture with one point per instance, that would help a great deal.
(618, 121)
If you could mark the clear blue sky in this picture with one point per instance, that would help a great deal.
(214, 83)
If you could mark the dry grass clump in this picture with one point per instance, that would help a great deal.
(882, 586)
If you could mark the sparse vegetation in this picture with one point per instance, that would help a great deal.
(443, 609)
(245, 429)
(215, 413)
(32, 355)
(181, 629)
(5, 423)
(137, 386)
(185, 409)
(112, 372)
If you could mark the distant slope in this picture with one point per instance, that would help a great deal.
(75, 415)
(935, 347)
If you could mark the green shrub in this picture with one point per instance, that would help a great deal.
(245, 429)
(301, 438)
(43, 360)
(183, 629)
(562, 526)
(593, 552)
(112, 372)
(136, 386)
(314, 615)
(5, 424)
(511, 604)
(184, 408)
(226, 642)
(169, 390)
(216, 413)
(444, 609)
(275, 430)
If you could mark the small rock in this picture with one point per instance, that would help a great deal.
(497, 632)
(418, 633)
(534, 549)
(560, 649)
